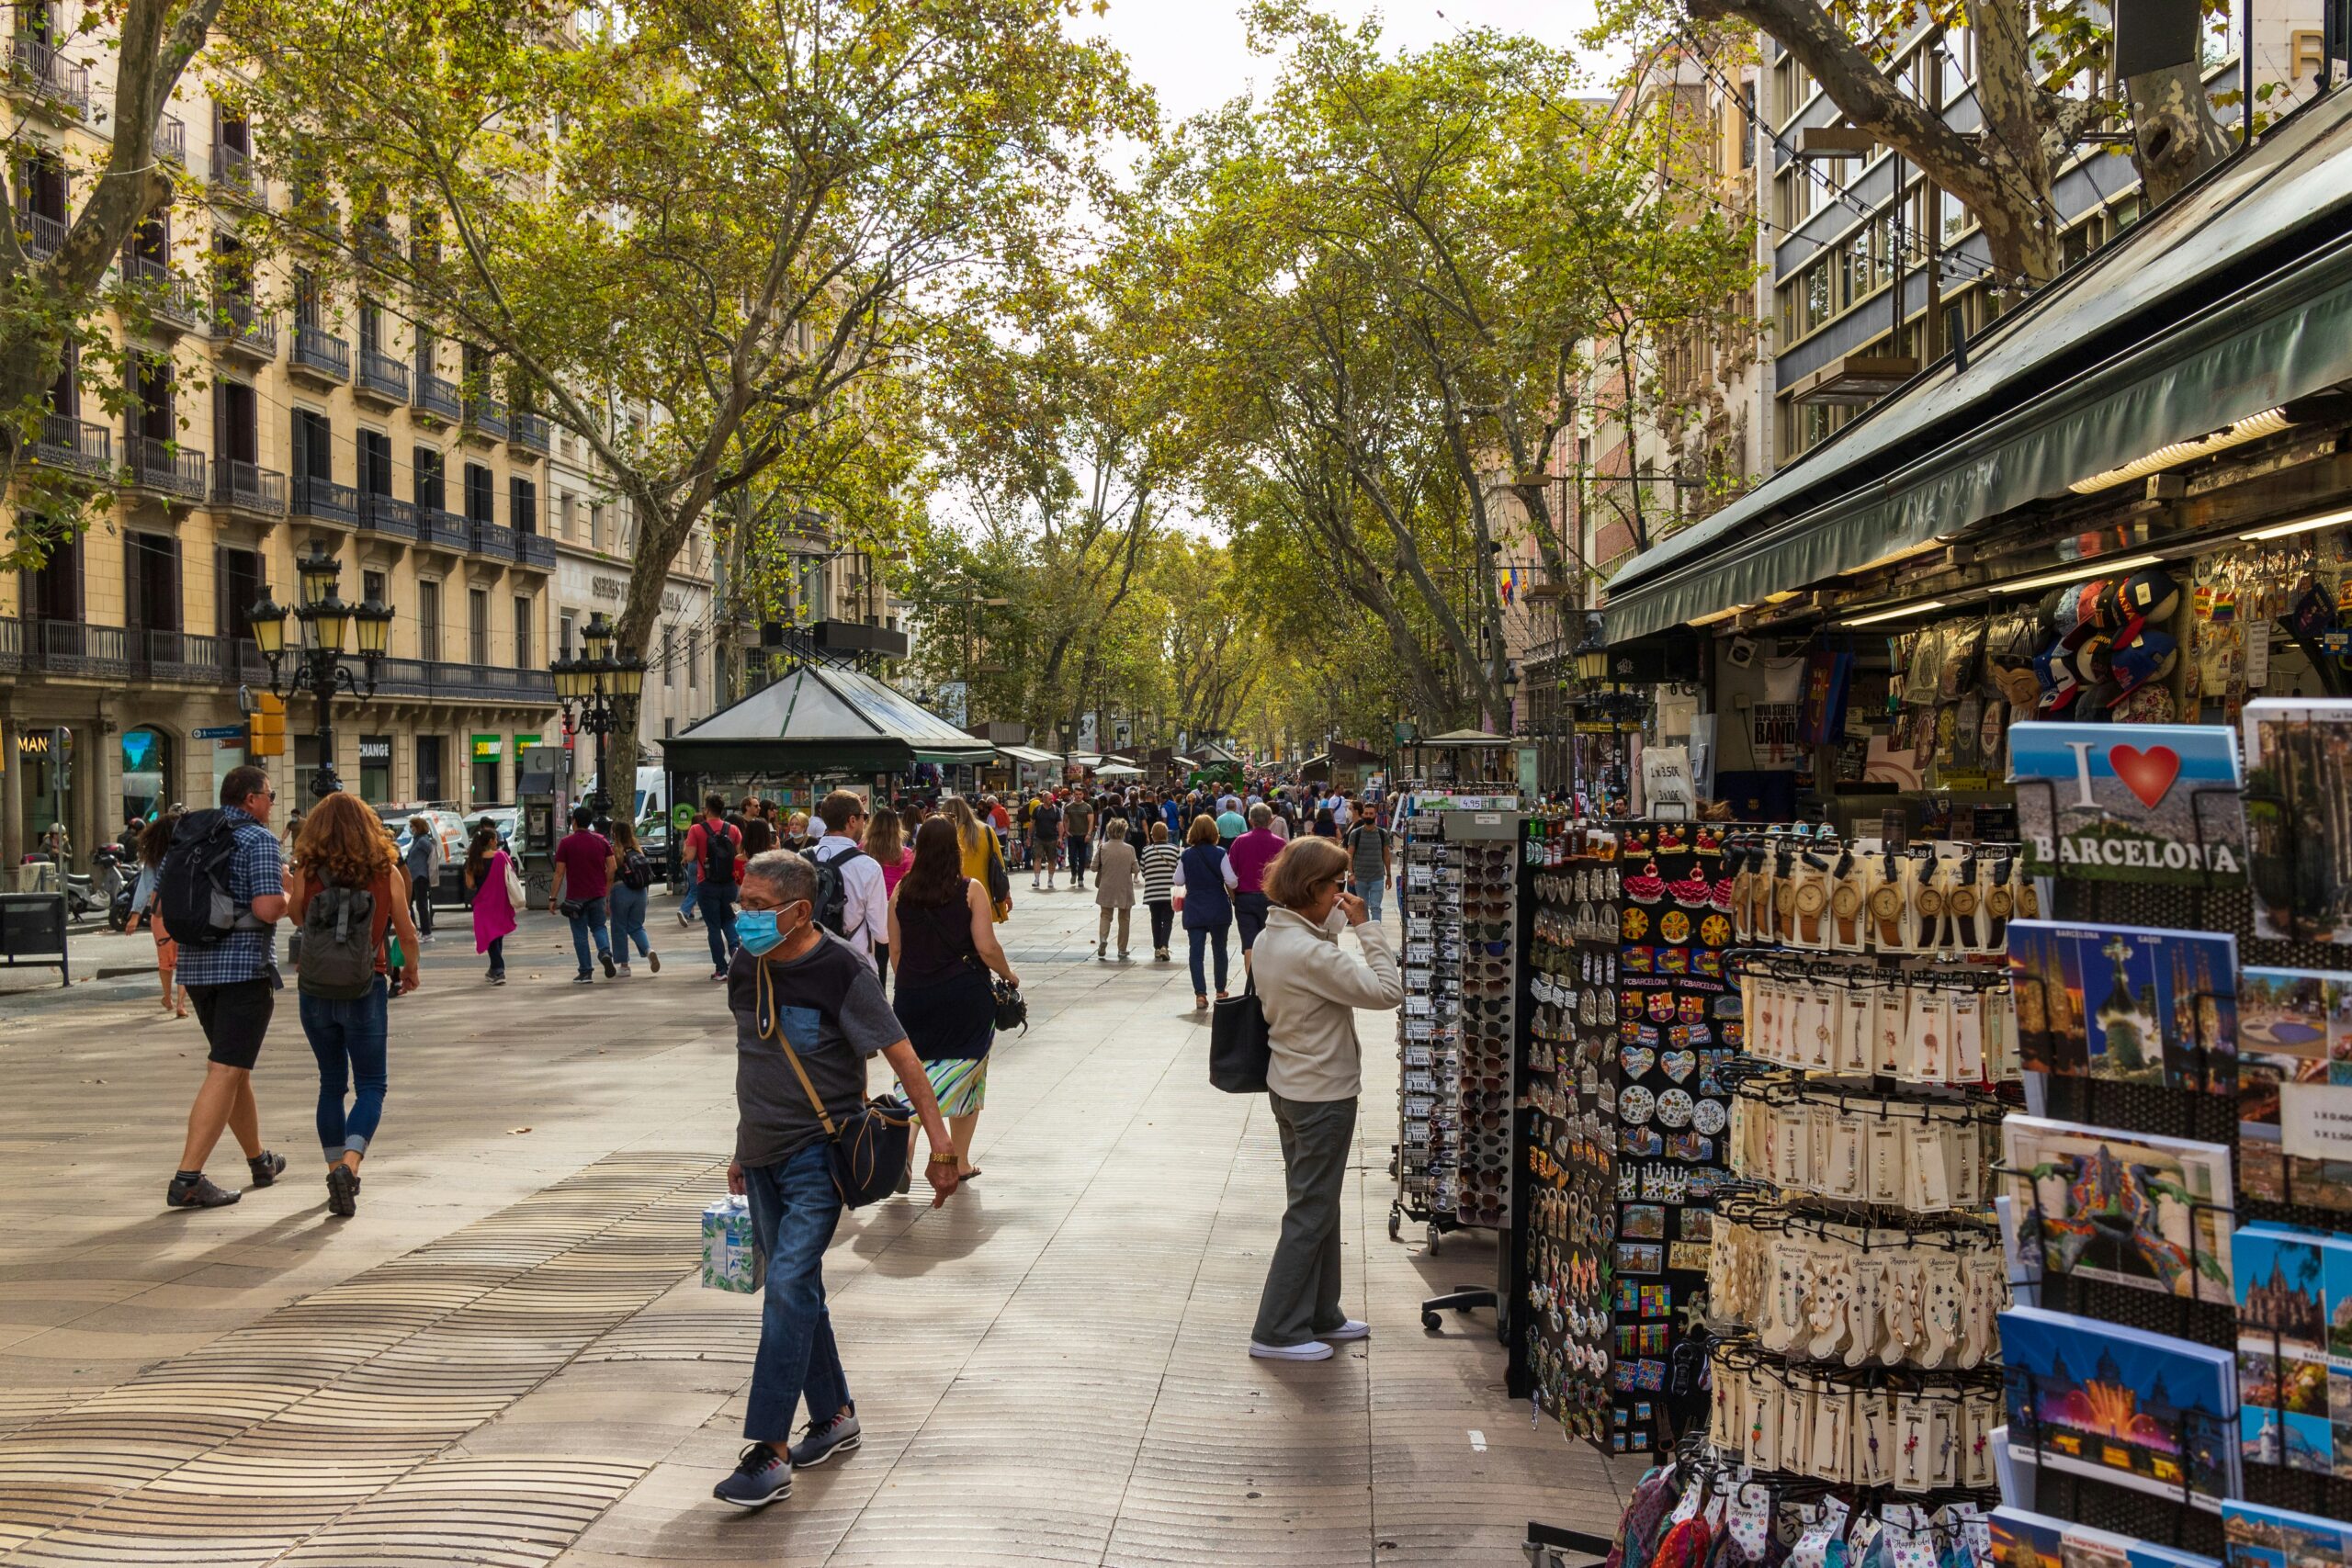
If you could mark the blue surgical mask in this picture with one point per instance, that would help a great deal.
(757, 931)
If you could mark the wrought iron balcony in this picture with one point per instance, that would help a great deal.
(233, 170)
(171, 138)
(248, 486)
(531, 433)
(326, 501)
(39, 71)
(12, 643)
(485, 415)
(74, 444)
(320, 353)
(172, 301)
(443, 530)
(75, 648)
(383, 514)
(495, 540)
(42, 236)
(382, 377)
(184, 656)
(437, 398)
(536, 550)
(241, 329)
(166, 469)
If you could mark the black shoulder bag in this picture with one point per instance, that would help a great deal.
(1012, 1008)
(1239, 1049)
(869, 1150)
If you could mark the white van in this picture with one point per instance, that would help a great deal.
(652, 798)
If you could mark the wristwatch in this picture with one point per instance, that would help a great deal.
(1785, 896)
(1845, 901)
(1811, 897)
(1999, 903)
(1965, 902)
(1887, 902)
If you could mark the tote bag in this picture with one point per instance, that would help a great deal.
(1240, 1051)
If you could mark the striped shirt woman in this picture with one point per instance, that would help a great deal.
(1159, 860)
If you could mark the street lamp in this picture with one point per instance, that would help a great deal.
(593, 681)
(327, 627)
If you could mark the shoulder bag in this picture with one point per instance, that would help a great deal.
(515, 894)
(999, 882)
(869, 1151)
(1012, 1007)
(1240, 1048)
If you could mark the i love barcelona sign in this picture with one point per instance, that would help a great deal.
(2129, 803)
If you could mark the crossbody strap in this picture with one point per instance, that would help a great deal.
(771, 1026)
(930, 913)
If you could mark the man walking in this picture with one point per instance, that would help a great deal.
(1251, 853)
(1045, 839)
(232, 981)
(1078, 827)
(579, 870)
(714, 846)
(865, 898)
(796, 986)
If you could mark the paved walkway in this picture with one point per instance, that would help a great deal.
(504, 1358)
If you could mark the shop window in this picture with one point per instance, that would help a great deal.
(306, 768)
(376, 769)
(147, 772)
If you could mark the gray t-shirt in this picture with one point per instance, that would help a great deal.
(829, 1004)
(1364, 844)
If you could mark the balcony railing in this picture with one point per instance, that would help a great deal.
(74, 648)
(319, 352)
(171, 138)
(327, 500)
(437, 397)
(443, 530)
(43, 236)
(486, 415)
(184, 656)
(37, 69)
(172, 299)
(166, 467)
(240, 328)
(536, 550)
(531, 433)
(383, 514)
(492, 540)
(437, 678)
(383, 375)
(12, 643)
(76, 444)
(233, 168)
(248, 486)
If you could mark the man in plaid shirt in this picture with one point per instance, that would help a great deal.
(233, 984)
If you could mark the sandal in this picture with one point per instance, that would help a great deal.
(1200, 1003)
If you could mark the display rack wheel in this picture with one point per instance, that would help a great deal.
(1396, 1221)
(1431, 1321)
(1435, 1244)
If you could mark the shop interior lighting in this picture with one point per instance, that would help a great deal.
(1711, 618)
(2103, 567)
(2280, 531)
(2269, 422)
(1897, 613)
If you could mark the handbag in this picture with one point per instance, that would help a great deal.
(869, 1151)
(999, 882)
(1012, 1008)
(1240, 1048)
(515, 894)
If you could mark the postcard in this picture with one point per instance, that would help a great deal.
(2299, 773)
(2022, 1539)
(2129, 1208)
(2129, 803)
(2295, 1087)
(2257, 1535)
(2127, 1003)
(2135, 1409)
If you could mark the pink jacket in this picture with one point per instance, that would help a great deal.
(493, 913)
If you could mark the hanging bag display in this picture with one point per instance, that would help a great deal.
(1239, 1049)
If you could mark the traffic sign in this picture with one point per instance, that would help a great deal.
(221, 732)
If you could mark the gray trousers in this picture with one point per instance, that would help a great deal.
(1302, 1295)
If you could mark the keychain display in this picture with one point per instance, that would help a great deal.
(1942, 900)
(1908, 1432)
(1924, 1157)
(1702, 1510)
(1861, 1295)
(1917, 1022)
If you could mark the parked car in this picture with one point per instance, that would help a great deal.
(451, 830)
(506, 819)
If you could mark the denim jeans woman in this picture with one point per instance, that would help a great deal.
(348, 1038)
(628, 924)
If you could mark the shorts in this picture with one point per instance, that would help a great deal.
(234, 1018)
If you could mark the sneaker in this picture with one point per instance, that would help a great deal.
(606, 956)
(498, 979)
(583, 978)
(718, 974)
(343, 1189)
(1354, 1328)
(1100, 951)
(267, 1168)
(1313, 1350)
(762, 1476)
(200, 1193)
(817, 1444)
(653, 962)
(625, 974)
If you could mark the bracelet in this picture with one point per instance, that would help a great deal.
(946, 1157)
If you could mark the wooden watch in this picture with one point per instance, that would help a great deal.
(1811, 897)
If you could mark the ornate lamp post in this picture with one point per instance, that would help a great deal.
(593, 681)
(329, 627)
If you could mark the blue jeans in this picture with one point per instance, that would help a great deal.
(629, 919)
(718, 902)
(793, 1210)
(694, 887)
(592, 918)
(1202, 936)
(1080, 853)
(348, 1040)
(1370, 893)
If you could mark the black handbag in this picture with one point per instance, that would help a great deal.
(1239, 1050)
(869, 1150)
(1012, 1007)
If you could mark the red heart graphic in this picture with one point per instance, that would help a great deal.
(2148, 775)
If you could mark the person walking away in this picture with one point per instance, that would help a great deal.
(1327, 825)
(152, 844)
(1277, 823)
(944, 931)
(1310, 988)
(975, 845)
(1114, 885)
(1341, 813)
(581, 858)
(226, 859)
(1252, 853)
(629, 875)
(1230, 825)
(852, 902)
(759, 833)
(1159, 859)
(1368, 863)
(794, 987)
(425, 863)
(1045, 840)
(886, 841)
(346, 896)
(1078, 827)
(715, 849)
(1204, 886)
(488, 868)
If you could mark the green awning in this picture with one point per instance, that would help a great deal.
(2013, 428)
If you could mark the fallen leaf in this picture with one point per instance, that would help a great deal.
(512, 1131)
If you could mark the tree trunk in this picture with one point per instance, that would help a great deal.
(2176, 136)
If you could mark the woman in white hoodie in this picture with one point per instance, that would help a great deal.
(1310, 988)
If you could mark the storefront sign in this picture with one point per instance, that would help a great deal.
(375, 749)
(1667, 791)
(488, 748)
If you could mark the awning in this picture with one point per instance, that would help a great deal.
(822, 718)
(1030, 755)
(2232, 300)
(1457, 738)
(1118, 770)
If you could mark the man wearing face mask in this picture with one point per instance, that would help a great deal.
(794, 982)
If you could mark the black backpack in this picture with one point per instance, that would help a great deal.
(637, 872)
(717, 856)
(192, 892)
(833, 890)
(334, 955)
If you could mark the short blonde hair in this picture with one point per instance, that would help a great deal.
(1304, 866)
(1203, 831)
(1115, 828)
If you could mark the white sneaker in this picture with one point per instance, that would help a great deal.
(1313, 1350)
(1354, 1328)
(623, 971)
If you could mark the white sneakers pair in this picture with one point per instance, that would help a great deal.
(1313, 1349)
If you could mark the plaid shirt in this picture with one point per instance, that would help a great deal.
(255, 873)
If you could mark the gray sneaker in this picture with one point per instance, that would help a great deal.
(762, 1476)
(817, 1444)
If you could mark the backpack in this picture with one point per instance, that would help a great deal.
(192, 889)
(637, 872)
(833, 890)
(335, 953)
(717, 856)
